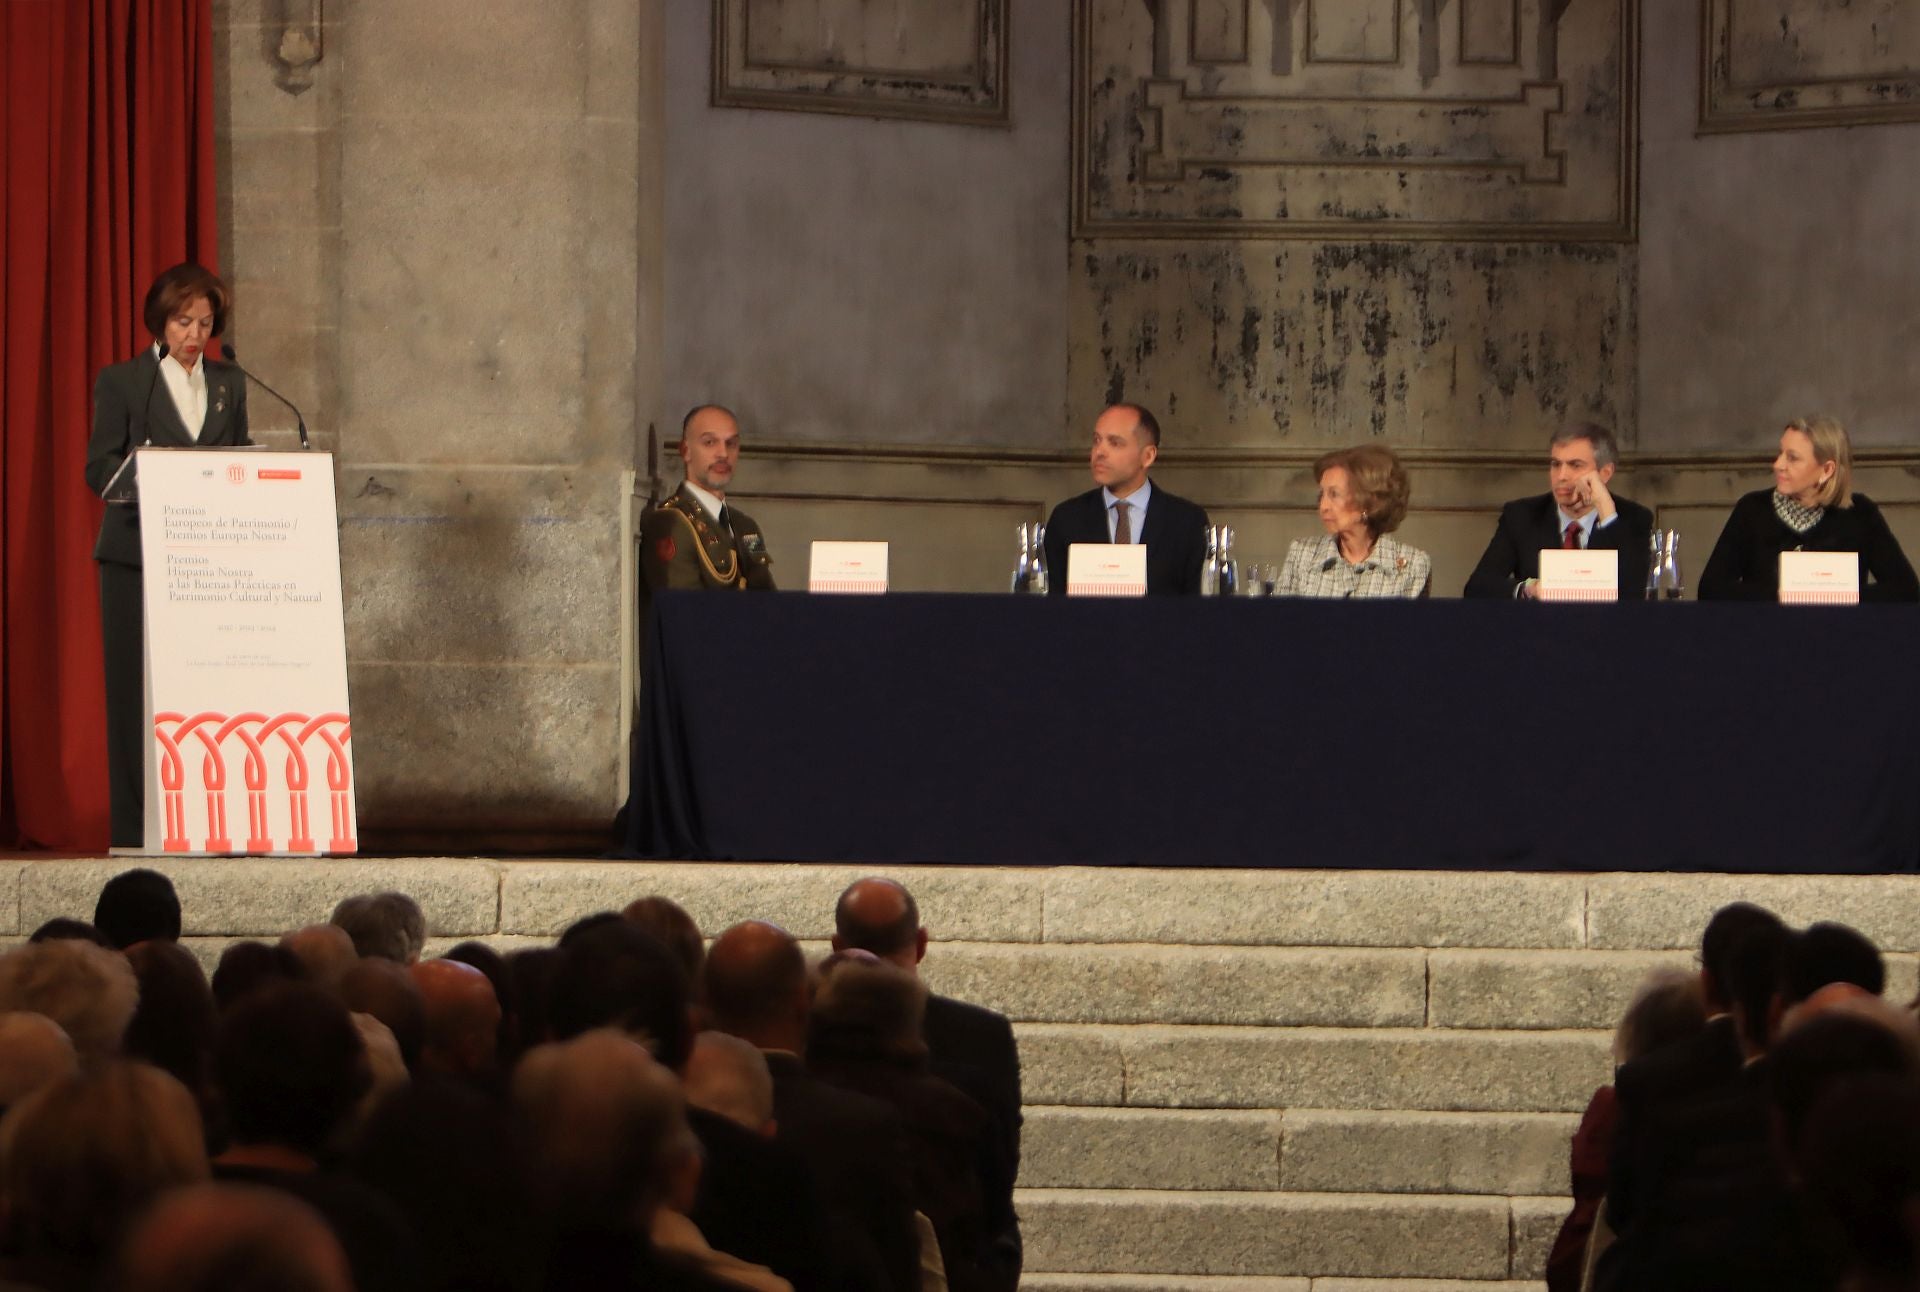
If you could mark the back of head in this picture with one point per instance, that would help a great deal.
(324, 950)
(605, 1126)
(1829, 953)
(877, 915)
(614, 974)
(867, 1011)
(1753, 977)
(61, 928)
(174, 1023)
(1804, 1063)
(34, 1052)
(384, 989)
(1729, 924)
(1860, 1162)
(81, 1156)
(135, 906)
(462, 1017)
(756, 978)
(389, 925)
(291, 1067)
(232, 1238)
(729, 1077)
(247, 967)
(667, 920)
(88, 990)
(1667, 1007)
(532, 973)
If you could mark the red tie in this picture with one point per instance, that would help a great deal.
(1571, 539)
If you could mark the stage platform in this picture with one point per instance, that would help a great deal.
(1244, 1081)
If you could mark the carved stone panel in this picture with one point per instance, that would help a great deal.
(1779, 64)
(931, 60)
(1379, 118)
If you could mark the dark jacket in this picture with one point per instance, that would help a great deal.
(1528, 524)
(1175, 532)
(1745, 565)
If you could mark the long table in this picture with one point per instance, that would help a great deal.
(1247, 732)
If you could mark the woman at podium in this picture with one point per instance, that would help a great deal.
(170, 395)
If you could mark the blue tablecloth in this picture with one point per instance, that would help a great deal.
(1169, 732)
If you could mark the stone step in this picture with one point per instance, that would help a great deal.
(1298, 1235)
(1425, 1069)
(1230, 1283)
(1298, 1150)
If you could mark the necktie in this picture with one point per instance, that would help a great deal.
(726, 519)
(1571, 539)
(1122, 523)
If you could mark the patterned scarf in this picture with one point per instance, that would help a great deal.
(1795, 517)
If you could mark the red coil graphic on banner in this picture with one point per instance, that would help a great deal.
(253, 731)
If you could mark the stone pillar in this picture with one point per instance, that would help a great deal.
(482, 329)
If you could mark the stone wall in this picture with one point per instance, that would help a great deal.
(1243, 1081)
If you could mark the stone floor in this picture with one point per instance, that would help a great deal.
(1236, 1081)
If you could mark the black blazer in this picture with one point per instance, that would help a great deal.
(973, 1048)
(1175, 533)
(124, 419)
(1529, 524)
(758, 1201)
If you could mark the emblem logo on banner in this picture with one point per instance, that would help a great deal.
(254, 731)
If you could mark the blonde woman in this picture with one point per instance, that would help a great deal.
(1812, 508)
(1363, 499)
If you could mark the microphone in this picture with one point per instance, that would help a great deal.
(146, 410)
(226, 351)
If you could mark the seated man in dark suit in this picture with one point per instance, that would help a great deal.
(757, 989)
(1578, 512)
(967, 1045)
(1128, 508)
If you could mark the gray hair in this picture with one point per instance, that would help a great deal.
(1668, 1005)
(389, 925)
(89, 991)
(1606, 449)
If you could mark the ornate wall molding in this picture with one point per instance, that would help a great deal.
(922, 60)
(1791, 64)
(1440, 119)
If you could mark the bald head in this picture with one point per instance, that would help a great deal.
(232, 1238)
(385, 989)
(462, 1017)
(880, 916)
(325, 949)
(756, 979)
(729, 1076)
(34, 1051)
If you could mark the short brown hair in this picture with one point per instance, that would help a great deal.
(1379, 483)
(175, 287)
(1830, 444)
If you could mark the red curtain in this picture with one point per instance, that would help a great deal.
(106, 155)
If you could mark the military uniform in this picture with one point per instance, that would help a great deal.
(682, 547)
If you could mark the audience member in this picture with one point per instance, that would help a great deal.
(60, 929)
(667, 920)
(385, 990)
(87, 989)
(757, 990)
(34, 1051)
(1667, 1008)
(607, 1128)
(1825, 1048)
(325, 950)
(729, 1076)
(462, 1020)
(968, 1045)
(389, 925)
(247, 967)
(173, 1025)
(1859, 1160)
(530, 971)
(500, 974)
(137, 906)
(232, 1238)
(79, 1158)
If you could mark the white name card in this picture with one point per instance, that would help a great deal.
(1107, 570)
(1581, 574)
(1820, 578)
(847, 567)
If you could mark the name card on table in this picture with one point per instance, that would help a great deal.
(1819, 578)
(1107, 570)
(1586, 574)
(847, 567)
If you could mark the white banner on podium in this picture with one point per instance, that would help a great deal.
(246, 654)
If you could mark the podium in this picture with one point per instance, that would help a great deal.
(246, 658)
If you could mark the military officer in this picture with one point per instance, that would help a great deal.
(694, 539)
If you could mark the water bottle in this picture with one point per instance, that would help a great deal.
(1037, 562)
(1210, 568)
(1228, 581)
(1654, 560)
(1670, 584)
